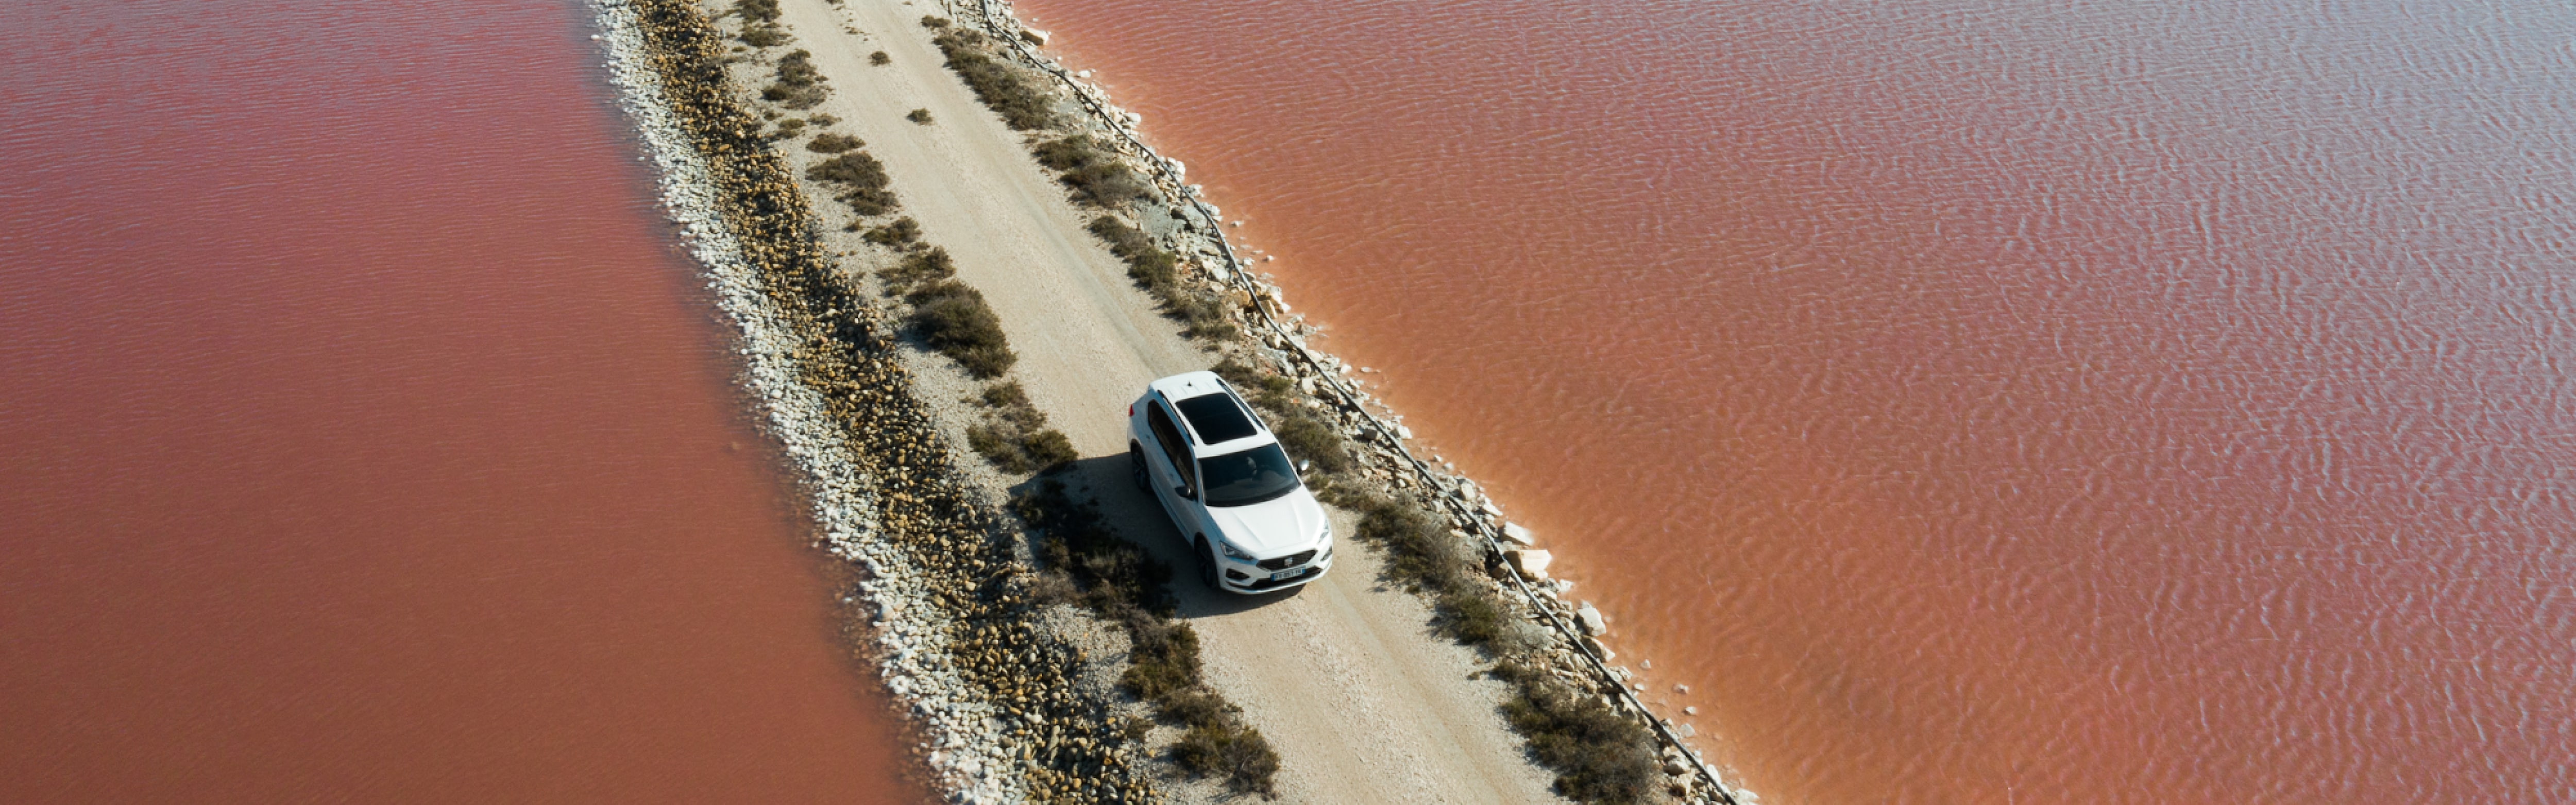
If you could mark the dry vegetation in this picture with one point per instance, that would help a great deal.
(1091, 565)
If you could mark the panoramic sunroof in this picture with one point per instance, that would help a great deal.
(1217, 419)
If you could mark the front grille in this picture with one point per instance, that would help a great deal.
(1286, 562)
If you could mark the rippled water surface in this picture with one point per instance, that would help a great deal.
(1971, 400)
(363, 437)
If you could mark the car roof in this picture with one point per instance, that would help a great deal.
(1209, 426)
(1188, 384)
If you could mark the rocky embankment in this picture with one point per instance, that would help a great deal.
(990, 688)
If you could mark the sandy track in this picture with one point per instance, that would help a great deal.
(1362, 702)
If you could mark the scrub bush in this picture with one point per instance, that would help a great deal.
(862, 179)
(1158, 272)
(1096, 174)
(956, 321)
(1121, 583)
(833, 143)
(903, 233)
(1014, 435)
(1023, 103)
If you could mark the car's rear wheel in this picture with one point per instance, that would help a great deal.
(1207, 566)
(1136, 468)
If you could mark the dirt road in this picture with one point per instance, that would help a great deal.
(1362, 702)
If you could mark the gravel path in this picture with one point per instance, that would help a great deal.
(1362, 702)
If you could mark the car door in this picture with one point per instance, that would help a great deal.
(1169, 463)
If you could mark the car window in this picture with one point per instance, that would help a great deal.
(1217, 418)
(1257, 475)
(1174, 449)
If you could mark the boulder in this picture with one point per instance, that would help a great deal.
(1590, 617)
(1518, 534)
(1531, 563)
(1035, 36)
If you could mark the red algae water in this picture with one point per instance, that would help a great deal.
(365, 437)
(1975, 400)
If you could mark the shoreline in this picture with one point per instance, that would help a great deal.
(926, 587)
(957, 634)
(1281, 336)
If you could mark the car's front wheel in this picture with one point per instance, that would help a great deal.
(1207, 566)
(1136, 468)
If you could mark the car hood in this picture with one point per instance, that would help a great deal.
(1273, 528)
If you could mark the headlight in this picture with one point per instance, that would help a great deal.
(1325, 541)
(1231, 553)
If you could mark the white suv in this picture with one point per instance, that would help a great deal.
(1194, 445)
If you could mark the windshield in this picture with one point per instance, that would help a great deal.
(1252, 476)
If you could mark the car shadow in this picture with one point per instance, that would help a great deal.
(1138, 518)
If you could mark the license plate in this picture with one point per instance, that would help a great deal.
(1285, 575)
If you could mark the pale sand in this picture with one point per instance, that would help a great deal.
(1361, 700)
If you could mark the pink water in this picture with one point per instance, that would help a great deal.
(363, 436)
(1971, 401)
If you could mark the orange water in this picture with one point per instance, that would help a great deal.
(1971, 401)
(363, 436)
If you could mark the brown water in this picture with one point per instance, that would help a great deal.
(363, 437)
(1976, 400)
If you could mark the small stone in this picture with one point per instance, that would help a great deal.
(1518, 534)
(1682, 689)
(1531, 563)
(1690, 711)
(1590, 617)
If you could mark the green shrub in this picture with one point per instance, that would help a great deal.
(1023, 103)
(833, 143)
(764, 35)
(1119, 581)
(799, 85)
(1239, 753)
(955, 320)
(921, 116)
(1598, 755)
(862, 179)
(930, 265)
(901, 234)
(1096, 174)
(1158, 272)
(880, 59)
(1014, 435)
(1165, 661)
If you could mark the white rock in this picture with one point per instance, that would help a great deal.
(1683, 689)
(1518, 534)
(1590, 617)
(1035, 36)
(1531, 563)
(1690, 711)
(1688, 731)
